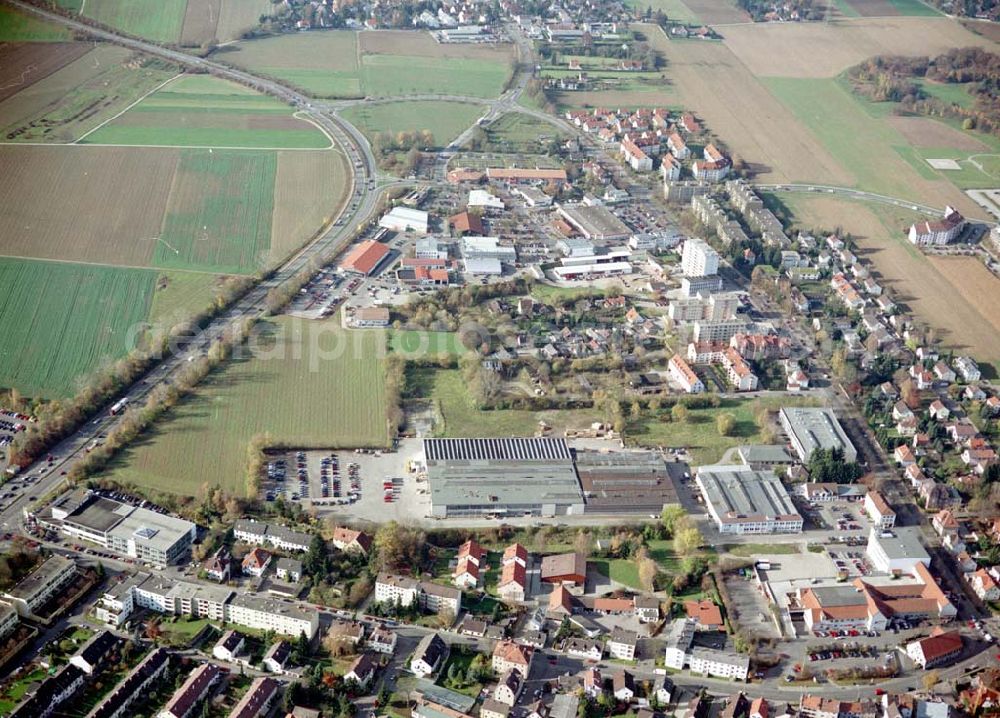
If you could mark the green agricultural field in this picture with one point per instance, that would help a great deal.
(219, 213)
(61, 321)
(198, 110)
(699, 433)
(16, 26)
(673, 9)
(413, 343)
(446, 120)
(159, 20)
(308, 384)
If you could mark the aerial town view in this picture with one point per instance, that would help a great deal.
(499, 358)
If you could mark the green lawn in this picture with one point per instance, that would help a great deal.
(956, 93)
(308, 385)
(756, 549)
(446, 120)
(414, 343)
(179, 294)
(158, 20)
(219, 218)
(699, 433)
(619, 570)
(204, 111)
(14, 692)
(16, 26)
(462, 419)
(62, 321)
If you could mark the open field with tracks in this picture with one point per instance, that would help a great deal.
(61, 321)
(379, 64)
(952, 295)
(825, 49)
(297, 394)
(76, 98)
(22, 64)
(446, 120)
(198, 110)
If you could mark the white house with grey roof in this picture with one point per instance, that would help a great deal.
(743, 501)
(811, 428)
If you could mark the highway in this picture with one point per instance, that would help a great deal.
(360, 207)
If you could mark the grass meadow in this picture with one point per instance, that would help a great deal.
(61, 321)
(413, 343)
(198, 110)
(319, 386)
(446, 120)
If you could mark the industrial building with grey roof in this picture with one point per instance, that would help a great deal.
(809, 429)
(743, 501)
(501, 477)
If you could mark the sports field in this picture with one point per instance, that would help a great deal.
(76, 98)
(338, 64)
(445, 120)
(204, 111)
(290, 391)
(62, 321)
(955, 296)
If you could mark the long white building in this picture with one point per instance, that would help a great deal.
(743, 501)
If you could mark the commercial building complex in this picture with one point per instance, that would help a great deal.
(743, 501)
(498, 477)
(595, 222)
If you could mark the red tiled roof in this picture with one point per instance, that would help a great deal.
(364, 257)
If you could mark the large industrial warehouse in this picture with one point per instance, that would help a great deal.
(501, 477)
(743, 501)
(634, 481)
(815, 428)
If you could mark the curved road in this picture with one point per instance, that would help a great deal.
(851, 194)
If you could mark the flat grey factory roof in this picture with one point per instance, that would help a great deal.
(595, 220)
(526, 449)
(737, 491)
(503, 484)
(816, 428)
(765, 454)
